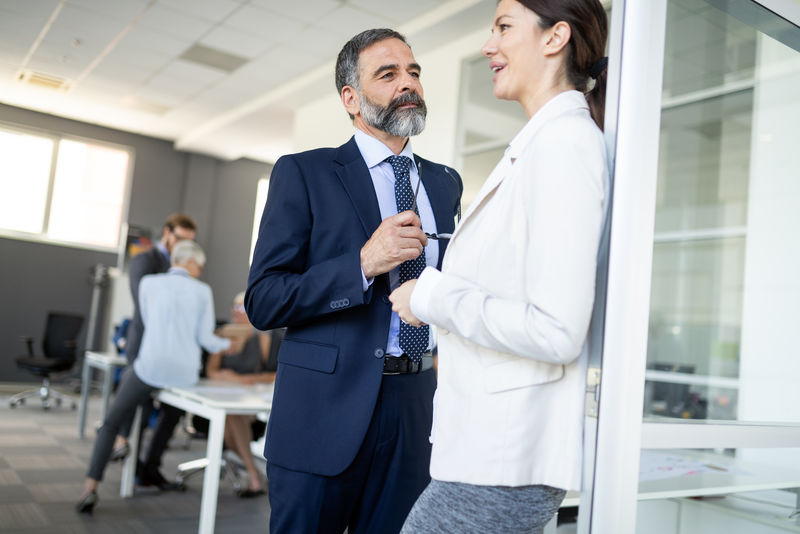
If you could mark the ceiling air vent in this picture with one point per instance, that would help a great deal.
(40, 79)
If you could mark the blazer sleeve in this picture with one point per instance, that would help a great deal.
(564, 196)
(285, 288)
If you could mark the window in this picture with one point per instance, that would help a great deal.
(261, 201)
(62, 190)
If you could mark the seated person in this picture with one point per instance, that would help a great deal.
(178, 314)
(251, 359)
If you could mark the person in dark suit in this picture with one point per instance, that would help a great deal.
(347, 441)
(177, 227)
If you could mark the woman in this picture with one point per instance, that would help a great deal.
(514, 298)
(252, 359)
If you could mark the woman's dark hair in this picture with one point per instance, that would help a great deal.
(589, 24)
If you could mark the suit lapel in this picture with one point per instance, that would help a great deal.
(442, 204)
(356, 180)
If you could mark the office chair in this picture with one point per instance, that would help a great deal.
(60, 347)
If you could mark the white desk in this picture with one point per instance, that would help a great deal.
(107, 362)
(212, 400)
(726, 475)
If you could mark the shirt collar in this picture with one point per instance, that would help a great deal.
(160, 246)
(561, 103)
(374, 151)
(178, 270)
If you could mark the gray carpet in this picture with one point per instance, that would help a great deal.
(43, 464)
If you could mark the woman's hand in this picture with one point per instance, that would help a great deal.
(401, 303)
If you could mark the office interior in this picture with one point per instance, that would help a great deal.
(693, 427)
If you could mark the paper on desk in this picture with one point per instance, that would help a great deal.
(657, 465)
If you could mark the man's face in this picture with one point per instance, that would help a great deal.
(390, 96)
(179, 233)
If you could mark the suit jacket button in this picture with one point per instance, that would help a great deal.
(379, 353)
(345, 302)
(386, 300)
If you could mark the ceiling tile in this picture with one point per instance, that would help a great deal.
(392, 9)
(176, 23)
(347, 21)
(127, 73)
(87, 24)
(264, 23)
(211, 10)
(237, 42)
(14, 26)
(305, 11)
(122, 9)
(192, 73)
(144, 41)
(318, 41)
(39, 9)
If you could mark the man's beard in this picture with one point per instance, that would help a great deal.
(394, 121)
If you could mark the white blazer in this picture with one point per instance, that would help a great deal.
(512, 305)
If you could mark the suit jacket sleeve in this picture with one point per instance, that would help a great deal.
(288, 285)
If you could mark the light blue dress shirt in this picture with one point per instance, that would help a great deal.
(178, 315)
(375, 153)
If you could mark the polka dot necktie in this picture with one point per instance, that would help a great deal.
(413, 341)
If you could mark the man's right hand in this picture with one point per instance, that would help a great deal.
(399, 238)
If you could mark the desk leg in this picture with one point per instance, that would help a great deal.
(84, 398)
(107, 384)
(208, 508)
(129, 467)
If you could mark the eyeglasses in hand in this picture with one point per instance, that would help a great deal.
(414, 205)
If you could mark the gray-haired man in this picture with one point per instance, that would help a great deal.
(347, 444)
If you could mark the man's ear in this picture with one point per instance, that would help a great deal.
(350, 100)
(558, 37)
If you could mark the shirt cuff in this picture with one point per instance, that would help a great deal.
(364, 282)
(423, 292)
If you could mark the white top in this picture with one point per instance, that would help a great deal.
(178, 316)
(513, 304)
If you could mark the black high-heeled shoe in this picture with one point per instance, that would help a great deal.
(86, 505)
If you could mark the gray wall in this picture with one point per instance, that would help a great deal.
(220, 195)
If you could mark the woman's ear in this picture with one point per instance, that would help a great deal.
(558, 37)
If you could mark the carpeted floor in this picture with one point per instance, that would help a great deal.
(43, 464)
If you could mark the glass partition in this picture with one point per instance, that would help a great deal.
(725, 255)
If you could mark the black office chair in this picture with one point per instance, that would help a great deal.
(60, 347)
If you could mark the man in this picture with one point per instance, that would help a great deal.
(178, 311)
(347, 443)
(178, 227)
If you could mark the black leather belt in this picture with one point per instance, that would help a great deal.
(400, 365)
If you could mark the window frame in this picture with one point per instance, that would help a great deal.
(56, 137)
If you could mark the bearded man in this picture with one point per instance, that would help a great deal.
(347, 443)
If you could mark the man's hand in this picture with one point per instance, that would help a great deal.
(399, 238)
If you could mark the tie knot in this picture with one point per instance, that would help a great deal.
(400, 164)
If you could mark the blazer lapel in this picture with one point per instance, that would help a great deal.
(435, 187)
(355, 178)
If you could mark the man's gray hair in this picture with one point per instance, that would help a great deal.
(347, 61)
(186, 250)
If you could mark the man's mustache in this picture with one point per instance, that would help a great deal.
(406, 98)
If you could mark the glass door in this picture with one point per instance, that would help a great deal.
(699, 427)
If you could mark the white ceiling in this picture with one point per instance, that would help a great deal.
(120, 61)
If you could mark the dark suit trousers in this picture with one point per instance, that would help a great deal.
(376, 492)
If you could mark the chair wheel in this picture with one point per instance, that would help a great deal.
(74, 406)
(58, 402)
(12, 404)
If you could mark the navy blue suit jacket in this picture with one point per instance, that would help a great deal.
(306, 275)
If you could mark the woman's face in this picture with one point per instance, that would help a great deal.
(513, 51)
